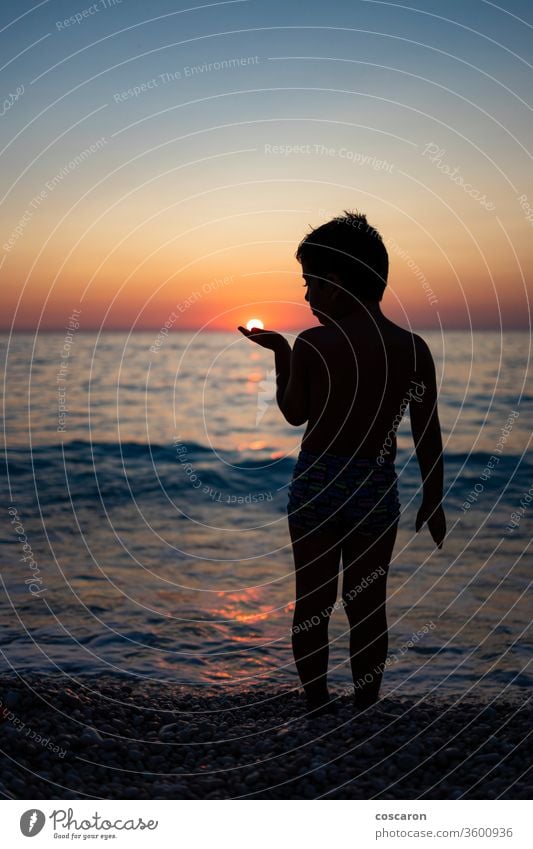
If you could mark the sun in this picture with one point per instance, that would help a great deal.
(255, 322)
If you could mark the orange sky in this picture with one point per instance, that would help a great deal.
(224, 273)
(127, 202)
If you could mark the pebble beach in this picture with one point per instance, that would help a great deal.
(119, 738)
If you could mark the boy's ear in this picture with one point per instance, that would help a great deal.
(337, 288)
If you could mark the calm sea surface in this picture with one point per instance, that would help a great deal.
(144, 527)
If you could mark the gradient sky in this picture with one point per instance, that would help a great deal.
(184, 213)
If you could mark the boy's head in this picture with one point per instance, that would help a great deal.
(347, 256)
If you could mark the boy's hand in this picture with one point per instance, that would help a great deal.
(266, 338)
(436, 521)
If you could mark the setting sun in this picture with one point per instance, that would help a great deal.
(255, 322)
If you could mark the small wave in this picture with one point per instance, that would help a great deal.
(115, 472)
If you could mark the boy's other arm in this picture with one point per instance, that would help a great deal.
(292, 392)
(425, 427)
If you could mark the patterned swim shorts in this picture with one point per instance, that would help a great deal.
(343, 493)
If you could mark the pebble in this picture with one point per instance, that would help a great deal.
(408, 762)
(11, 699)
(169, 730)
(90, 735)
(258, 744)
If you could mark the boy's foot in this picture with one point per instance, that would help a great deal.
(319, 708)
(364, 702)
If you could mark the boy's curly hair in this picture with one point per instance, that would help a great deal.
(351, 248)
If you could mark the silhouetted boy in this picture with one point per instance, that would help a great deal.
(351, 380)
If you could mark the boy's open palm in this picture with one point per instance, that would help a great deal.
(266, 338)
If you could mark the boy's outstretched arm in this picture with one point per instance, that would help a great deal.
(291, 379)
(291, 372)
(425, 427)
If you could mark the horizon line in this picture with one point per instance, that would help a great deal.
(95, 329)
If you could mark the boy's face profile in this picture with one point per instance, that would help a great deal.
(327, 297)
(319, 294)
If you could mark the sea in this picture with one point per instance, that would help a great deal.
(144, 528)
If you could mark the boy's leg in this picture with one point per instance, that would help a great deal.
(365, 569)
(316, 560)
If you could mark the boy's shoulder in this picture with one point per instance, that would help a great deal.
(400, 343)
(393, 332)
(406, 338)
(311, 333)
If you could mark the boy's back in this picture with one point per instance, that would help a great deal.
(361, 374)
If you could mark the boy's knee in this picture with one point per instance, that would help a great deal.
(361, 608)
(351, 601)
(307, 618)
(352, 611)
